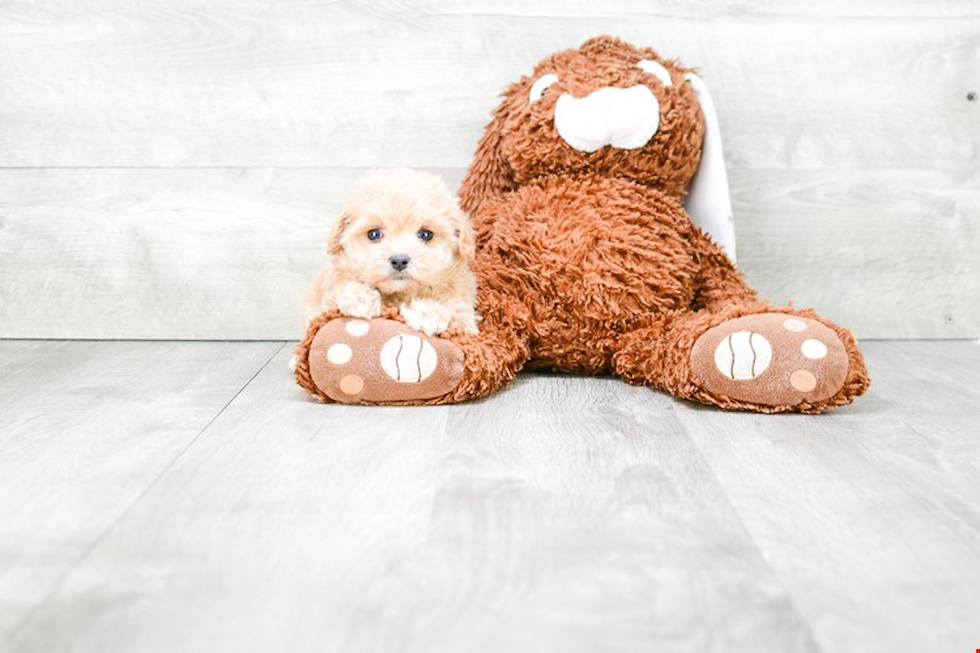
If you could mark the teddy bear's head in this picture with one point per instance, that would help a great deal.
(607, 108)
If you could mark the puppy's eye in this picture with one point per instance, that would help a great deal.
(425, 235)
(656, 68)
(540, 86)
(375, 234)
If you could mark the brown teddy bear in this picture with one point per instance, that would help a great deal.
(588, 263)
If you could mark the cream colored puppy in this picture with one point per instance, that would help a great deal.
(400, 240)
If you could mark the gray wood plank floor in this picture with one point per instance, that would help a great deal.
(163, 496)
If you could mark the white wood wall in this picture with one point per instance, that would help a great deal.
(166, 168)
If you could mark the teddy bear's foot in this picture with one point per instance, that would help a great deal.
(381, 361)
(771, 359)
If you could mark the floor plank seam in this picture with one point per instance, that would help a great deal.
(804, 622)
(56, 585)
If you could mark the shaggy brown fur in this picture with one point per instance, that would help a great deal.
(587, 262)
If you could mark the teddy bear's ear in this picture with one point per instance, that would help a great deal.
(708, 200)
(342, 224)
(489, 175)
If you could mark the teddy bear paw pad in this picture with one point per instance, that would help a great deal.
(379, 360)
(770, 359)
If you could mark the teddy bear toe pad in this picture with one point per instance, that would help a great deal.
(367, 361)
(770, 359)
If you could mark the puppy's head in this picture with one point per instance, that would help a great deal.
(400, 231)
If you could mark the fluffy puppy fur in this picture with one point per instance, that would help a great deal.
(400, 240)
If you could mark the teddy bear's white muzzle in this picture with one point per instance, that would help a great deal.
(626, 118)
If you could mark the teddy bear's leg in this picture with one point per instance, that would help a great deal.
(753, 356)
(382, 361)
(736, 351)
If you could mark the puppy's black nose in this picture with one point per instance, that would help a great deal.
(399, 261)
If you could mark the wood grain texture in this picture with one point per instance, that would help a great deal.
(226, 254)
(945, 376)
(703, 10)
(851, 145)
(564, 514)
(888, 253)
(238, 83)
(86, 429)
(215, 254)
(870, 514)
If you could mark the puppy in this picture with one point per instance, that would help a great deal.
(400, 240)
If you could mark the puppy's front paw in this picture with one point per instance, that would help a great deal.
(358, 300)
(426, 316)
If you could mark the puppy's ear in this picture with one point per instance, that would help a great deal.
(465, 237)
(489, 174)
(340, 227)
